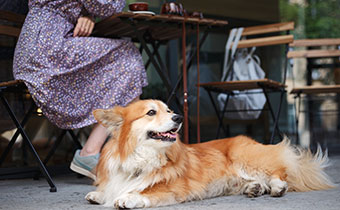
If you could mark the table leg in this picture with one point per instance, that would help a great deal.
(185, 86)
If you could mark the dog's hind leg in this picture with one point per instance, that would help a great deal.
(277, 187)
(254, 189)
(253, 184)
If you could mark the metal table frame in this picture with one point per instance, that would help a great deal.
(153, 30)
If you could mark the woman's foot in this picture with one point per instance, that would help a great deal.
(85, 165)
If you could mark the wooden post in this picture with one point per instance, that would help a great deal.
(185, 85)
(198, 82)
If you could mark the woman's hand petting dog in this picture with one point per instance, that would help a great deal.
(84, 27)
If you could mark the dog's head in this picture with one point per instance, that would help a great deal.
(147, 122)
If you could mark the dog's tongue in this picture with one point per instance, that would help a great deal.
(168, 134)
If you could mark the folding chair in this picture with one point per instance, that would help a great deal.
(12, 27)
(267, 85)
(315, 51)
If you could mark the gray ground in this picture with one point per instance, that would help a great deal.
(32, 194)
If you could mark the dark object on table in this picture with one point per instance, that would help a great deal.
(196, 14)
(138, 6)
(172, 8)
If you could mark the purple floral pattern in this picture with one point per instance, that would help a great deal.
(69, 77)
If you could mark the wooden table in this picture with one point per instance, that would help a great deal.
(156, 30)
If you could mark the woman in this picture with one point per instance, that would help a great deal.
(70, 74)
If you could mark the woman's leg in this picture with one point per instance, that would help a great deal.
(96, 139)
(84, 161)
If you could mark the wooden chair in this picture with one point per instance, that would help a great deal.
(272, 37)
(314, 50)
(10, 26)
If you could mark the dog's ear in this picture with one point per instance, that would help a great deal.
(109, 118)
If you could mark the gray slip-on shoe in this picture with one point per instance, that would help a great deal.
(85, 165)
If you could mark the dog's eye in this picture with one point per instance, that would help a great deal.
(168, 111)
(151, 112)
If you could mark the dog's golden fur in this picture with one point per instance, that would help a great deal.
(135, 171)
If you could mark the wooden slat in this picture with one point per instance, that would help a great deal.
(242, 85)
(221, 22)
(164, 31)
(123, 28)
(270, 28)
(130, 33)
(9, 30)
(12, 17)
(173, 35)
(162, 18)
(313, 53)
(143, 16)
(316, 89)
(11, 83)
(123, 14)
(315, 42)
(106, 25)
(266, 41)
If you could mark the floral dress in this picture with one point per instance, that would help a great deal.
(69, 77)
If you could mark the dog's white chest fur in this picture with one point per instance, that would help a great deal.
(144, 159)
(130, 176)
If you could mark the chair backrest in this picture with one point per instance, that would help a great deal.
(272, 36)
(10, 27)
(315, 53)
(11, 23)
(268, 40)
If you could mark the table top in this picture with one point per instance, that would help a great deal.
(159, 27)
(316, 89)
(242, 85)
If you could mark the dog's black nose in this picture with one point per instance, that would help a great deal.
(177, 118)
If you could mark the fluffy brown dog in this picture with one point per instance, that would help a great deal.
(146, 165)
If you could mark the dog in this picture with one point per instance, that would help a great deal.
(145, 164)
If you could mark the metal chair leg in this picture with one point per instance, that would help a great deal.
(43, 169)
(16, 134)
(297, 115)
(220, 118)
(52, 151)
(274, 117)
(75, 139)
(277, 117)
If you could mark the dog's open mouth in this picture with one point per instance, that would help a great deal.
(164, 136)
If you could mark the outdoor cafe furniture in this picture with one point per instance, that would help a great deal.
(270, 36)
(316, 52)
(151, 31)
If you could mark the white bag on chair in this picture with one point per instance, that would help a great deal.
(243, 65)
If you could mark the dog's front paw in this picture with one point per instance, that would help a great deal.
(254, 189)
(278, 187)
(94, 197)
(132, 201)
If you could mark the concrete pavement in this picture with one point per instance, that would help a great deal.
(28, 194)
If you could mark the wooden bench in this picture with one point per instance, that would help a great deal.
(272, 37)
(10, 26)
(313, 50)
(319, 53)
(316, 89)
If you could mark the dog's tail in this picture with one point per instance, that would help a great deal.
(305, 171)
